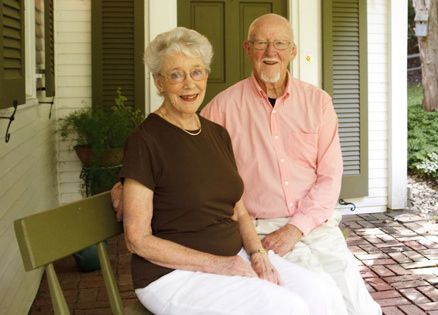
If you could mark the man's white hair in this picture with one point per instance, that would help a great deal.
(270, 15)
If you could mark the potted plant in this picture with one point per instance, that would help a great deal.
(98, 135)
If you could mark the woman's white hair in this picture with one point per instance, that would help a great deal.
(178, 40)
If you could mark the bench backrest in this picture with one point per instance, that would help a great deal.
(48, 236)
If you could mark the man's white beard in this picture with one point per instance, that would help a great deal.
(270, 78)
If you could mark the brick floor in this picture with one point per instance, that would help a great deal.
(397, 254)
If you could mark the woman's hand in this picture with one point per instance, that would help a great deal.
(263, 267)
(259, 261)
(233, 266)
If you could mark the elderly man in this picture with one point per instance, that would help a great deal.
(285, 139)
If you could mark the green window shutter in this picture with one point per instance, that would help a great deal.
(12, 53)
(49, 50)
(345, 78)
(117, 51)
(39, 42)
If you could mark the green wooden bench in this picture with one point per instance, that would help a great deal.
(45, 237)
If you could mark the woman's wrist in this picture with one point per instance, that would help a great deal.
(261, 251)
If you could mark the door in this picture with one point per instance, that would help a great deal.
(225, 23)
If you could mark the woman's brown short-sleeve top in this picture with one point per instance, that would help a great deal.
(195, 183)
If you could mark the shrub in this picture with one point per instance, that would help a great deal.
(422, 141)
(98, 135)
(101, 128)
(429, 165)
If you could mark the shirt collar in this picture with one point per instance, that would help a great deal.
(287, 91)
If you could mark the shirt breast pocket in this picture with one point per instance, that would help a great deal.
(303, 147)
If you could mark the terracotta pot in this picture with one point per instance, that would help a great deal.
(106, 157)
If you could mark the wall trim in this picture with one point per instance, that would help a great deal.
(397, 105)
(29, 31)
(158, 23)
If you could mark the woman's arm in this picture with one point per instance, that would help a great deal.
(253, 246)
(137, 204)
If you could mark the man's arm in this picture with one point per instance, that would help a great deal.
(317, 206)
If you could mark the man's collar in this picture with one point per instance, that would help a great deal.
(287, 90)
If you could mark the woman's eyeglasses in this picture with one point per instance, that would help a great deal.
(179, 76)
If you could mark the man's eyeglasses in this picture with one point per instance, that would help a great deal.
(179, 76)
(263, 44)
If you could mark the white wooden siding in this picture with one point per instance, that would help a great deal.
(28, 185)
(27, 177)
(73, 83)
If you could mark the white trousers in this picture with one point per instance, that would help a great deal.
(324, 250)
(302, 292)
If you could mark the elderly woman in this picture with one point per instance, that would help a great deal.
(184, 219)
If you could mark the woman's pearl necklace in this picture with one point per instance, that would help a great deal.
(167, 118)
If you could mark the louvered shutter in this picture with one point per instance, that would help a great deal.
(345, 78)
(118, 48)
(12, 53)
(49, 50)
(39, 41)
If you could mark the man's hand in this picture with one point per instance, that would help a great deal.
(282, 240)
(117, 198)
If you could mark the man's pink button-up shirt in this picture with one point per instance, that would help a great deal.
(288, 155)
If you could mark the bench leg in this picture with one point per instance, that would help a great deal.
(60, 306)
(110, 283)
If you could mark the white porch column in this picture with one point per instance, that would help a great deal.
(397, 105)
(162, 17)
(305, 17)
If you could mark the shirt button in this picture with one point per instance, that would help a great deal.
(290, 205)
(286, 183)
(275, 137)
(274, 111)
(282, 160)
